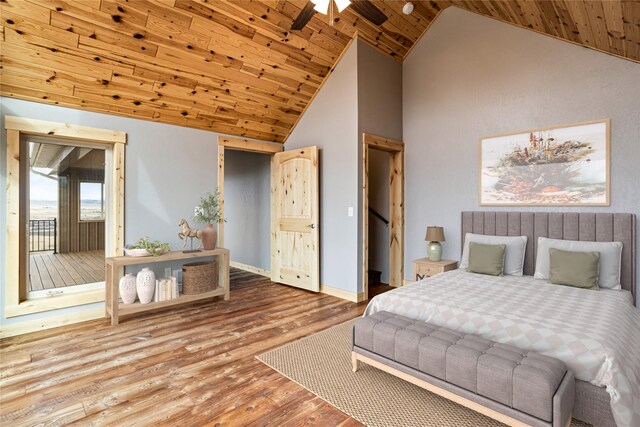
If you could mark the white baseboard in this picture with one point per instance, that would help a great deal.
(250, 268)
(341, 293)
(54, 321)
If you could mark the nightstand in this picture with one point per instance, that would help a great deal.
(424, 268)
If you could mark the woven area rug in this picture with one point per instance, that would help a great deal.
(321, 363)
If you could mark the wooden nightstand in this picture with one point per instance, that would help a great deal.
(424, 268)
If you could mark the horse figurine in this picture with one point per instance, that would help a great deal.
(187, 231)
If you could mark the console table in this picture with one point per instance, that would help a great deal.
(114, 309)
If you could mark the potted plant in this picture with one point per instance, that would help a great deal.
(208, 212)
(146, 247)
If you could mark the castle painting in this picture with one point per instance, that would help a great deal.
(560, 166)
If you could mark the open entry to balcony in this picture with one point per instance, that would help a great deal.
(66, 215)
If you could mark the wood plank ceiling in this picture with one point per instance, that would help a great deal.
(234, 66)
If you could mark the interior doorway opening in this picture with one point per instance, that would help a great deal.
(247, 208)
(23, 136)
(66, 211)
(383, 214)
(244, 162)
(293, 211)
(379, 265)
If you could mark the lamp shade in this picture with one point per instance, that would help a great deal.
(435, 234)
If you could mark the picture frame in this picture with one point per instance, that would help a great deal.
(566, 165)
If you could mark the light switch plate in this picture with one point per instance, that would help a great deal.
(350, 211)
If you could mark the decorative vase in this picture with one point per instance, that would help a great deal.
(145, 285)
(434, 251)
(127, 287)
(209, 237)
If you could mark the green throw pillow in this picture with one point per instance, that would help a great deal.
(578, 269)
(486, 259)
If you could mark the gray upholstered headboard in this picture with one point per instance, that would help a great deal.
(601, 227)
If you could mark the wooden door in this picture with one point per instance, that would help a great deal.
(295, 250)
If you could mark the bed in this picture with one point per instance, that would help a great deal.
(596, 334)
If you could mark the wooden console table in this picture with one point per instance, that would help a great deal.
(115, 309)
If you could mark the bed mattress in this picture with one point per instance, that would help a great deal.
(595, 333)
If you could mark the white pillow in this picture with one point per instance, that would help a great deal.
(610, 258)
(514, 253)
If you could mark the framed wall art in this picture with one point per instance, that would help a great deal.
(559, 166)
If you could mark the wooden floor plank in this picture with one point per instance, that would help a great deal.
(48, 270)
(35, 282)
(61, 277)
(69, 279)
(56, 278)
(70, 268)
(85, 273)
(45, 276)
(89, 271)
(185, 365)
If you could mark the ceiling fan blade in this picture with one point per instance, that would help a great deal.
(368, 11)
(304, 17)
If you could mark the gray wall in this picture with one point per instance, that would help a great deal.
(364, 94)
(168, 168)
(471, 76)
(379, 93)
(331, 123)
(247, 208)
(379, 113)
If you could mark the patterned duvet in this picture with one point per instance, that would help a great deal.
(596, 333)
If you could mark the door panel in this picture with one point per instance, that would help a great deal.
(295, 253)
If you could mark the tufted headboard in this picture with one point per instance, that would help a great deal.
(601, 227)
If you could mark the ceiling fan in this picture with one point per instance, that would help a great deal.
(364, 8)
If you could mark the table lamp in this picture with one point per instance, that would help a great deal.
(434, 236)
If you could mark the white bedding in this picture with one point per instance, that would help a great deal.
(596, 333)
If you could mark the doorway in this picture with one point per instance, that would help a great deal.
(246, 209)
(378, 212)
(294, 211)
(66, 208)
(244, 170)
(383, 211)
(65, 146)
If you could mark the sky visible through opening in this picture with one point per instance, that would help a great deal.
(43, 196)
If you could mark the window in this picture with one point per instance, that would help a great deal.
(91, 201)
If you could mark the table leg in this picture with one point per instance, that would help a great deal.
(225, 271)
(108, 289)
(114, 296)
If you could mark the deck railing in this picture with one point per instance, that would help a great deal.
(43, 235)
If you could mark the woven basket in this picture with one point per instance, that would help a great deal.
(199, 277)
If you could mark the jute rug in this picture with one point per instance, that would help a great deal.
(321, 363)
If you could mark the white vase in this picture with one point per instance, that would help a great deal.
(145, 285)
(128, 291)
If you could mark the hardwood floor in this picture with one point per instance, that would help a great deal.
(48, 270)
(187, 366)
(378, 288)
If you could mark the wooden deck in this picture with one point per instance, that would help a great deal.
(48, 271)
(191, 365)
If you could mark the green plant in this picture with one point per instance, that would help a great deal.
(208, 211)
(155, 248)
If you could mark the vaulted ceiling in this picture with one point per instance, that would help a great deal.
(235, 66)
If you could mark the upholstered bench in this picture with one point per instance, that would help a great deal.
(514, 386)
